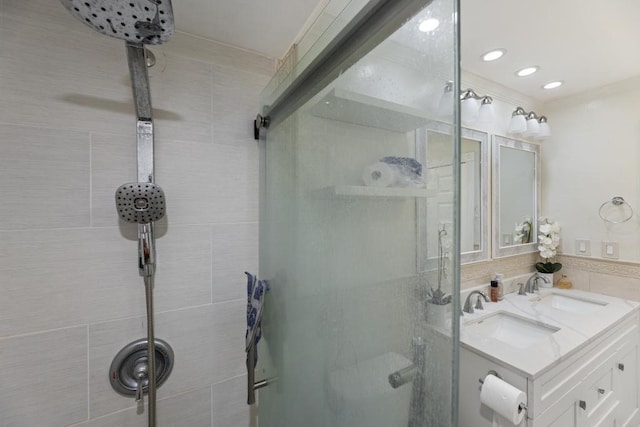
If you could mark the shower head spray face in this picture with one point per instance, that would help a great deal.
(135, 21)
(140, 202)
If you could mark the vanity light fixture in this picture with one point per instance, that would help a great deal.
(553, 85)
(493, 55)
(545, 130)
(533, 126)
(445, 106)
(473, 107)
(527, 71)
(428, 25)
(487, 110)
(469, 106)
(518, 123)
(529, 124)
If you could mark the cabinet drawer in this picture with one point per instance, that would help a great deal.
(553, 385)
(598, 392)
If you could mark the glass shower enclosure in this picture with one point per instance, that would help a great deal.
(359, 232)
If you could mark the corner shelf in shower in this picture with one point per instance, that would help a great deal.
(350, 107)
(377, 192)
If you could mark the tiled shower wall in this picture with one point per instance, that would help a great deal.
(70, 295)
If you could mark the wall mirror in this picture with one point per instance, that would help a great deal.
(516, 195)
(474, 233)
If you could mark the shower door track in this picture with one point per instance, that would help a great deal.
(370, 27)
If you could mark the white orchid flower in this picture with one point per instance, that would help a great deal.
(545, 228)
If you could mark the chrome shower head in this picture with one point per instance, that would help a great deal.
(135, 21)
(140, 202)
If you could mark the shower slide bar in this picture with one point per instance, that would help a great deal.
(378, 20)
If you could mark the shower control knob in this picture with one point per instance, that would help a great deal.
(140, 371)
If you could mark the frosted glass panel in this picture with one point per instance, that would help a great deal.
(355, 254)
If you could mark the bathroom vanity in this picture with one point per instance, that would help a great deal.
(574, 354)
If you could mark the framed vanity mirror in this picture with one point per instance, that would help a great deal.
(516, 195)
(474, 233)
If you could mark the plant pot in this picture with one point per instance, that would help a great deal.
(543, 283)
(437, 315)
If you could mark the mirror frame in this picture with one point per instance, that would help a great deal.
(484, 253)
(504, 251)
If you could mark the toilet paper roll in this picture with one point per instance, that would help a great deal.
(503, 398)
(379, 175)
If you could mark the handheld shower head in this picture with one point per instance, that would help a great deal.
(140, 202)
(135, 21)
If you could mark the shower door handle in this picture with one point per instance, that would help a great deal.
(252, 384)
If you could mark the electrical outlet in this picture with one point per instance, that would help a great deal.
(610, 250)
(583, 247)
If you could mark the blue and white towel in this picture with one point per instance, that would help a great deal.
(256, 290)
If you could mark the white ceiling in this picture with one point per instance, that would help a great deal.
(268, 27)
(587, 44)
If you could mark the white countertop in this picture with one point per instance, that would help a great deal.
(575, 330)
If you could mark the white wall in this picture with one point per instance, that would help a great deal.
(594, 155)
(70, 295)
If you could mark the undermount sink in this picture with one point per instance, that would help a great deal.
(510, 329)
(569, 304)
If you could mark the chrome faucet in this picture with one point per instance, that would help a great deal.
(532, 283)
(468, 307)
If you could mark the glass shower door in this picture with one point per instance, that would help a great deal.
(357, 239)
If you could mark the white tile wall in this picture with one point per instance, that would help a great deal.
(70, 292)
(191, 409)
(234, 248)
(229, 407)
(207, 342)
(43, 171)
(44, 378)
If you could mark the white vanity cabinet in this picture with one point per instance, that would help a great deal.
(597, 385)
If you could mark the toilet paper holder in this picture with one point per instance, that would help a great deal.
(521, 407)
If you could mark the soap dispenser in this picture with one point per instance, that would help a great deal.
(495, 291)
(500, 285)
(564, 282)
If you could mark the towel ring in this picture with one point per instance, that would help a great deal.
(613, 206)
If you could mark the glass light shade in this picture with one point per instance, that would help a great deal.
(545, 131)
(518, 124)
(469, 109)
(445, 107)
(533, 127)
(486, 114)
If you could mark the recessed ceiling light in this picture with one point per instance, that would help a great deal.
(428, 25)
(553, 85)
(527, 71)
(493, 55)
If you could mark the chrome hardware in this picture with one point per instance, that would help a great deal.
(521, 291)
(601, 391)
(140, 373)
(418, 388)
(491, 372)
(478, 305)
(521, 407)
(616, 202)
(583, 404)
(468, 308)
(621, 366)
(403, 376)
(532, 283)
(129, 371)
(262, 122)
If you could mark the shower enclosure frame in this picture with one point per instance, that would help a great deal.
(378, 20)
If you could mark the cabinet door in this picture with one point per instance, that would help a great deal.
(566, 412)
(627, 385)
(598, 394)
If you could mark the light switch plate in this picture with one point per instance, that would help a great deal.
(583, 247)
(610, 250)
